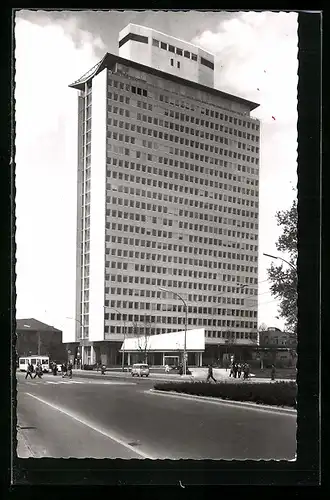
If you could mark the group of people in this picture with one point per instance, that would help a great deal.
(37, 371)
(66, 369)
(237, 369)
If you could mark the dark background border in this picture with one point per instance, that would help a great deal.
(306, 469)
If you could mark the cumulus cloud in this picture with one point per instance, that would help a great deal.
(46, 135)
(256, 58)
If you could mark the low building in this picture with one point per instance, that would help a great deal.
(166, 348)
(276, 346)
(35, 337)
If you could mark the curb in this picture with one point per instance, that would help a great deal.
(242, 404)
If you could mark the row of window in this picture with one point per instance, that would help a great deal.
(179, 152)
(179, 260)
(187, 166)
(195, 250)
(186, 118)
(189, 105)
(109, 330)
(201, 228)
(179, 128)
(210, 207)
(120, 240)
(182, 140)
(123, 278)
(240, 313)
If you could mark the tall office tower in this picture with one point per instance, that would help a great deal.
(168, 195)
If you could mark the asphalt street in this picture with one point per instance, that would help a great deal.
(116, 416)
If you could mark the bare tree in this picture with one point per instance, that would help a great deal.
(143, 332)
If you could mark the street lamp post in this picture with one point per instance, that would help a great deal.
(185, 328)
(280, 258)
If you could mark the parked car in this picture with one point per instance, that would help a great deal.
(140, 370)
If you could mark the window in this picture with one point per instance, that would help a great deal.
(179, 51)
(171, 48)
(163, 45)
(172, 62)
(194, 57)
(178, 64)
(207, 63)
(186, 54)
(155, 42)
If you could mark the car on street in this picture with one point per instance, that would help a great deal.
(140, 370)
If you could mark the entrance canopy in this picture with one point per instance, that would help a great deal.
(165, 342)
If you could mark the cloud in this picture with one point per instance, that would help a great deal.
(47, 61)
(256, 58)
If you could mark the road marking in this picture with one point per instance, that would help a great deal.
(101, 382)
(91, 426)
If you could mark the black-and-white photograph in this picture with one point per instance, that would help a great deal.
(156, 233)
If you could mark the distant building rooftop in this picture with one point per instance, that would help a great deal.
(34, 325)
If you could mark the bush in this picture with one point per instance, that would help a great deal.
(277, 393)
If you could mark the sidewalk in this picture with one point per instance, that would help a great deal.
(199, 374)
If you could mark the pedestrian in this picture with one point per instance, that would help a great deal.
(70, 369)
(64, 370)
(180, 369)
(29, 371)
(273, 372)
(246, 370)
(235, 369)
(231, 373)
(210, 374)
(167, 369)
(38, 371)
(239, 370)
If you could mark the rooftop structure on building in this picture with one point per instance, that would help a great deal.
(166, 53)
(168, 196)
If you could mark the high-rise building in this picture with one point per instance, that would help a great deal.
(168, 190)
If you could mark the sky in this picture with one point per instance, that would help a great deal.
(255, 58)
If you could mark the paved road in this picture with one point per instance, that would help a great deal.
(119, 418)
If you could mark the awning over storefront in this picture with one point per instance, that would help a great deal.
(166, 342)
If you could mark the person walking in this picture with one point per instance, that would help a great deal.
(38, 371)
(235, 369)
(239, 370)
(210, 374)
(273, 372)
(64, 370)
(246, 370)
(70, 369)
(29, 371)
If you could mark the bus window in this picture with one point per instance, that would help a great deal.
(44, 361)
(22, 361)
(33, 361)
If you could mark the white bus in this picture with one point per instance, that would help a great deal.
(34, 360)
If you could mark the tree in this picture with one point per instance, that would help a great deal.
(283, 277)
(143, 332)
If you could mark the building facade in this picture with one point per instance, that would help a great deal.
(168, 196)
(35, 337)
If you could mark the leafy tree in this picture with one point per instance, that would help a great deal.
(284, 277)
